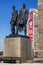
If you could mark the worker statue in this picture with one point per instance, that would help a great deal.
(13, 20)
(22, 19)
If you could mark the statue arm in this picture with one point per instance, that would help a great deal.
(27, 14)
(17, 13)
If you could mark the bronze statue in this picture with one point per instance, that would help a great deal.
(14, 20)
(22, 19)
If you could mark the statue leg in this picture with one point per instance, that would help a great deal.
(17, 30)
(12, 29)
(25, 30)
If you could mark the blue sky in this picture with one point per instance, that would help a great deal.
(5, 15)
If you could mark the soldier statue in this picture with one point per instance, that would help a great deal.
(22, 19)
(14, 20)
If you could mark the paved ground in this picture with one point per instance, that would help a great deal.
(22, 64)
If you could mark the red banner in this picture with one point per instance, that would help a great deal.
(30, 30)
(30, 25)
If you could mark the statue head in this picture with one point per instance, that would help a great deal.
(24, 5)
(13, 7)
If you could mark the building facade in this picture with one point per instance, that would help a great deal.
(40, 28)
(32, 29)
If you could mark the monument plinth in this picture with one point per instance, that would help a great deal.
(19, 46)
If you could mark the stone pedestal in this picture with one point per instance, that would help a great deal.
(18, 47)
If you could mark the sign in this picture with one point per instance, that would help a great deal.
(30, 29)
(30, 25)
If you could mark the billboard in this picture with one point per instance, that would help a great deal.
(30, 30)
